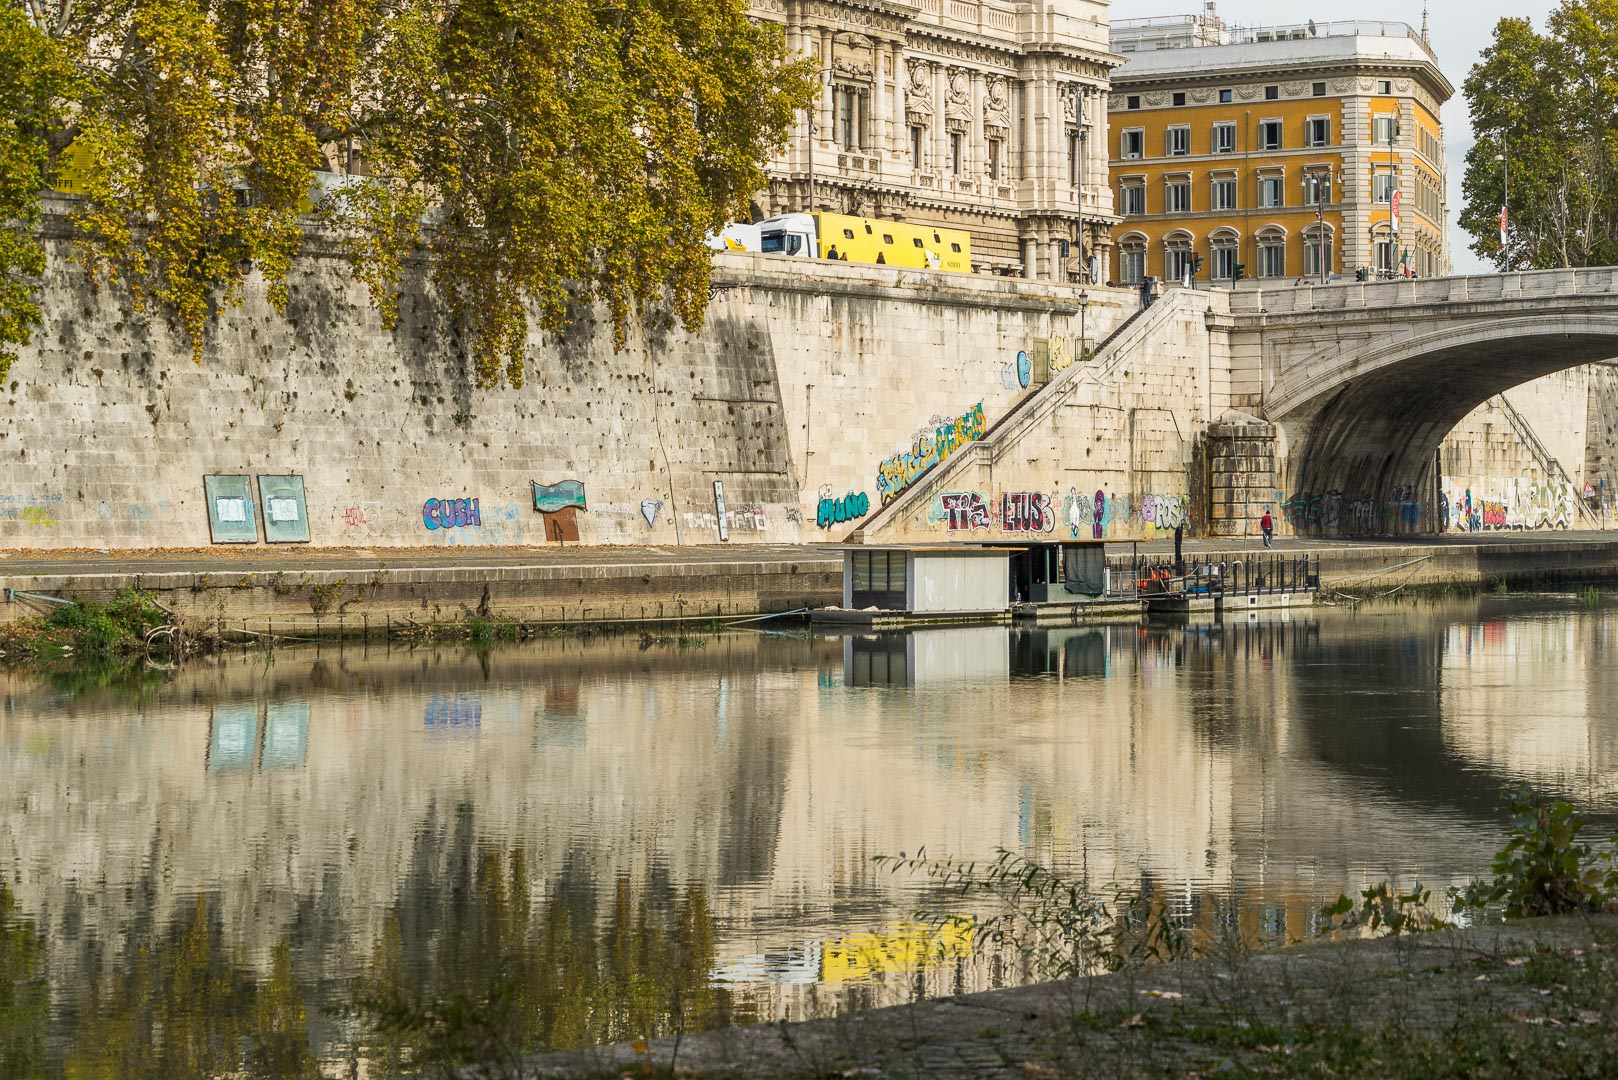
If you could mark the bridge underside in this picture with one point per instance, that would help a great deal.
(1361, 461)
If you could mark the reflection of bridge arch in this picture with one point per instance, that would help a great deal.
(1402, 363)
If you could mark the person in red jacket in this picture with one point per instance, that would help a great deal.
(1266, 526)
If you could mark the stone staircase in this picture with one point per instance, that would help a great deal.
(1005, 433)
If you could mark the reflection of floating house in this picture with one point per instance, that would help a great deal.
(980, 582)
(926, 657)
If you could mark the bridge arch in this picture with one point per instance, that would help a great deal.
(1364, 418)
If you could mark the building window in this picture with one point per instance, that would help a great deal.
(1272, 257)
(1132, 199)
(1384, 87)
(1132, 264)
(1319, 89)
(1222, 193)
(1316, 188)
(994, 159)
(1177, 197)
(1223, 264)
(955, 152)
(1272, 93)
(1224, 138)
(1224, 97)
(1382, 186)
(1269, 135)
(1132, 143)
(1384, 256)
(1317, 131)
(1383, 130)
(1176, 260)
(915, 147)
(850, 117)
(1179, 99)
(1179, 141)
(1269, 191)
(1312, 251)
(1132, 101)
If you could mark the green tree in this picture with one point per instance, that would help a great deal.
(35, 81)
(560, 152)
(1546, 101)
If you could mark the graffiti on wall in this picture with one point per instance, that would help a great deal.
(1026, 511)
(1164, 511)
(649, 509)
(964, 510)
(746, 517)
(930, 447)
(451, 514)
(1492, 503)
(1016, 374)
(559, 505)
(33, 510)
(835, 511)
(1061, 355)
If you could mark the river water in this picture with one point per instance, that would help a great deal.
(205, 870)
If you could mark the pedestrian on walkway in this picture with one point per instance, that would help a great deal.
(1267, 526)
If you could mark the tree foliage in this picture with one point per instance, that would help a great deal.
(34, 87)
(541, 154)
(1550, 100)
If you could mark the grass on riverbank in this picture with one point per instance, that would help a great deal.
(97, 632)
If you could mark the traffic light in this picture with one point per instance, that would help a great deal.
(1196, 264)
(1237, 273)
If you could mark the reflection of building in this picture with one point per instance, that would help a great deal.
(1228, 143)
(983, 115)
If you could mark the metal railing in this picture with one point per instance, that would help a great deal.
(1217, 576)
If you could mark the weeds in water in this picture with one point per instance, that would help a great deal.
(96, 631)
(1545, 869)
(1591, 596)
(1500, 587)
(1055, 924)
(1383, 909)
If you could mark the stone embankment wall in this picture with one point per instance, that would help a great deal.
(805, 381)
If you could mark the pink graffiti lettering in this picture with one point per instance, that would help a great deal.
(354, 516)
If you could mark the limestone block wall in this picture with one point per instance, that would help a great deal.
(1104, 453)
(806, 376)
(1495, 463)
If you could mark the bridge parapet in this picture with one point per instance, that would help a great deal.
(1407, 297)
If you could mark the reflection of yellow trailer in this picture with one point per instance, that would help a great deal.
(905, 947)
(893, 243)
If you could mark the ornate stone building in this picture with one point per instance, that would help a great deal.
(983, 115)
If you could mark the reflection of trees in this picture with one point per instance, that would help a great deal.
(183, 1004)
(470, 968)
(24, 993)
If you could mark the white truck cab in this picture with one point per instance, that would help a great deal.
(793, 235)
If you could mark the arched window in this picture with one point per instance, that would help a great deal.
(1384, 253)
(1272, 252)
(1132, 259)
(1318, 248)
(1224, 246)
(1176, 255)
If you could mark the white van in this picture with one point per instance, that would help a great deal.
(789, 234)
(736, 236)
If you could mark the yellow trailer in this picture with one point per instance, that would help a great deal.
(893, 243)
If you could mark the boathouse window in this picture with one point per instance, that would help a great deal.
(879, 579)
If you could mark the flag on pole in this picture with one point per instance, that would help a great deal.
(1502, 224)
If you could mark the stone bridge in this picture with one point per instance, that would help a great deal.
(1362, 382)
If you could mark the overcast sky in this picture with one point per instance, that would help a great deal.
(1460, 29)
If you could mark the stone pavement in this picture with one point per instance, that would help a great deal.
(1534, 996)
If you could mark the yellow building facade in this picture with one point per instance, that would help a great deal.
(1310, 152)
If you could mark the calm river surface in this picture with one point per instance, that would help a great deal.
(211, 868)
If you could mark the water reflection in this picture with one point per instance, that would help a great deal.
(623, 839)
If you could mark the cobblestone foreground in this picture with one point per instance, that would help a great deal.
(1534, 998)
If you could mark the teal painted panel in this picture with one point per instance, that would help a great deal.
(551, 498)
(232, 738)
(286, 515)
(231, 518)
(286, 735)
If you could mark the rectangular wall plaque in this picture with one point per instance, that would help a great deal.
(286, 515)
(231, 518)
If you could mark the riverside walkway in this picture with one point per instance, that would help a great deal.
(324, 590)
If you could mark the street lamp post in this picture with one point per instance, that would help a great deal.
(814, 107)
(1322, 195)
(1084, 138)
(1084, 304)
